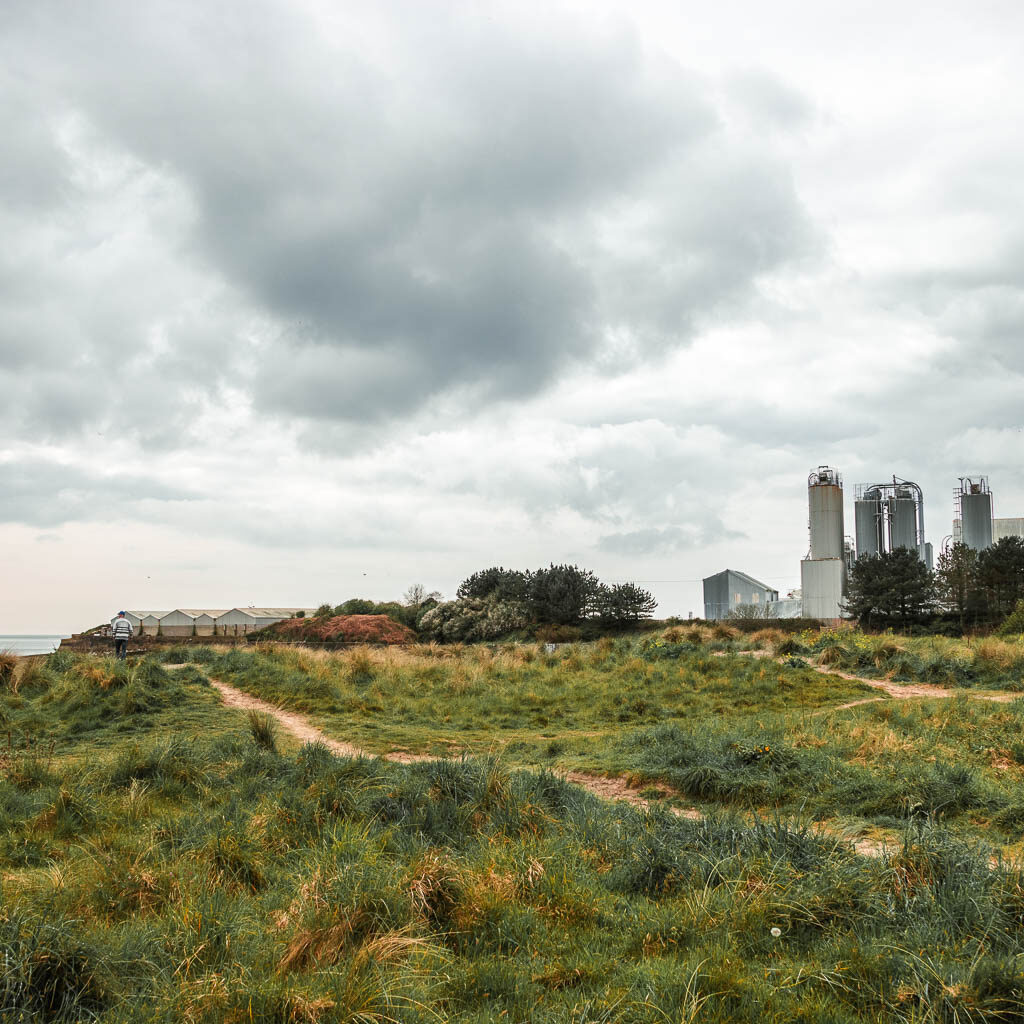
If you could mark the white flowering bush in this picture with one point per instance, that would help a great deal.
(472, 619)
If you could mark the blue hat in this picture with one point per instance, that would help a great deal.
(120, 613)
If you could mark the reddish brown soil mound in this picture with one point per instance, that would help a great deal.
(360, 629)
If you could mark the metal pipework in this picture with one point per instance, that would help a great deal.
(886, 498)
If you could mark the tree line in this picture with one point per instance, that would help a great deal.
(552, 603)
(497, 602)
(561, 594)
(968, 589)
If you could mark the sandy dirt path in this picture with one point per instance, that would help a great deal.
(303, 729)
(891, 688)
(607, 788)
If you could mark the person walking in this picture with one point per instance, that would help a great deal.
(122, 634)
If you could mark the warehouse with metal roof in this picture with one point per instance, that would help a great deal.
(207, 621)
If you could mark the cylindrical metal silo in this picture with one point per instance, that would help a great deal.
(867, 514)
(902, 520)
(825, 502)
(976, 513)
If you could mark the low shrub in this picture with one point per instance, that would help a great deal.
(790, 645)
(555, 633)
(1013, 624)
(60, 660)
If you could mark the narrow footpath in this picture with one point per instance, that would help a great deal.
(898, 690)
(301, 728)
(601, 786)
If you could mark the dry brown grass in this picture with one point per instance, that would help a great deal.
(766, 639)
(435, 887)
(390, 947)
(314, 946)
(831, 655)
(328, 945)
(8, 668)
(97, 675)
(463, 680)
(884, 649)
(1001, 653)
(877, 742)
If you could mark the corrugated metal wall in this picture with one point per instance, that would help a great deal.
(822, 584)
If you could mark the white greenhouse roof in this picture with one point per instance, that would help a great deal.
(214, 613)
(265, 613)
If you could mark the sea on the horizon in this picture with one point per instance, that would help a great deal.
(31, 643)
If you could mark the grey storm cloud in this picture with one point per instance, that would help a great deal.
(473, 210)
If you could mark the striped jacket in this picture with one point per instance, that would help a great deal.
(122, 629)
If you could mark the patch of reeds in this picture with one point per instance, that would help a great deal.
(263, 729)
(8, 665)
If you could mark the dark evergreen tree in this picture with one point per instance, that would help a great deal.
(893, 588)
(624, 602)
(1001, 576)
(504, 584)
(956, 584)
(562, 594)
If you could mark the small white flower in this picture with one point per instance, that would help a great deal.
(776, 932)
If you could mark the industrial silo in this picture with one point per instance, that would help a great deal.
(903, 519)
(975, 501)
(867, 514)
(823, 571)
(825, 504)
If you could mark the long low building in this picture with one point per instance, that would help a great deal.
(207, 621)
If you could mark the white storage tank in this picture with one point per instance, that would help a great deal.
(825, 504)
(903, 520)
(867, 514)
(975, 501)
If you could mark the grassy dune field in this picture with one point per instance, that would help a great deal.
(712, 727)
(165, 858)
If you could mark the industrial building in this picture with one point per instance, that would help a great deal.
(730, 589)
(973, 521)
(823, 571)
(1011, 527)
(972, 513)
(207, 621)
(888, 516)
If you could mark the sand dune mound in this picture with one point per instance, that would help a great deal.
(368, 629)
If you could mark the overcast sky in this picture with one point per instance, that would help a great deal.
(302, 301)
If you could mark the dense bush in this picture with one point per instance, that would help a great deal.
(471, 619)
(558, 596)
(1013, 624)
(497, 582)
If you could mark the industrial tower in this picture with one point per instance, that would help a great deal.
(823, 571)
